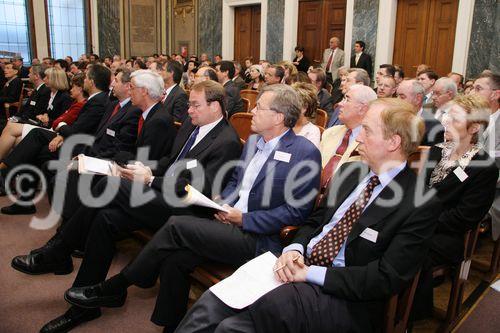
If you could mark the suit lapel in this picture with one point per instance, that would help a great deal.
(377, 211)
(181, 138)
(208, 139)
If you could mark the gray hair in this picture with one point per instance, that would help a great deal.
(362, 94)
(361, 76)
(447, 84)
(417, 88)
(151, 81)
(39, 70)
(285, 101)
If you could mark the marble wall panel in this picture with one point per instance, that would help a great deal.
(108, 14)
(275, 22)
(210, 27)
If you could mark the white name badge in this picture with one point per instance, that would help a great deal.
(282, 156)
(110, 132)
(191, 164)
(460, 173)
(33, 103)
(370, 234)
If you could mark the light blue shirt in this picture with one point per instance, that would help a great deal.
(264, 150)
(316, 274)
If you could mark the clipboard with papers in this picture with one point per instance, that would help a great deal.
(94, 166)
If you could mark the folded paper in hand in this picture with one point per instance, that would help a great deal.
(94, 166)
(249, 283)
(195, 197)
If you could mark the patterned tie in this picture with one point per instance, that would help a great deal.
(139, 125)
(327, 173)
(189, 144)
(329, 63)
(325, 251)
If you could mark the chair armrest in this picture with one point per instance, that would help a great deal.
(287, 234)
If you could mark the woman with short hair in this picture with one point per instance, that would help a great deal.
(309, 97)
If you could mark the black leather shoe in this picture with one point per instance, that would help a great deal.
(70, 320)
(17, 209)
(37, 263)
(92, 297)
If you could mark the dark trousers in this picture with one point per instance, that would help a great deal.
(294, 307)
(32, 150)
(176, 249)
(100, 228)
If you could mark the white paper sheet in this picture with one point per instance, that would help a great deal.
(92, 165)
(250, 282)
(195, 197)
(496, 285)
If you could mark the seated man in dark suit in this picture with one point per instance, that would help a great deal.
(39, 99)
(225, 74)
(41, 146)
(259, 204)
(10, 92)
(23, 71)
(354, 252)
(413, 92)
(176, 99)
(205, 143)
(360, 59)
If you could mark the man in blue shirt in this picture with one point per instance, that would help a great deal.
(362, 245)
(260, 199)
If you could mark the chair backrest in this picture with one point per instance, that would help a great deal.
(321, 118)
(242, 123)
(321, 129)
(16, 105)
(246, 104)
(416, 159)
(398, 308)
(251, 95)
(177, 124)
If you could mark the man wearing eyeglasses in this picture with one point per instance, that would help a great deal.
(260, 199)
(202, 146)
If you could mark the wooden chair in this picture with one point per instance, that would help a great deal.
(417, 159)
(17, 105)
(246, 104)
(321, 129)
(242, 123)
(459, 274)
(321, 118)
(251, 95)
(398, 308)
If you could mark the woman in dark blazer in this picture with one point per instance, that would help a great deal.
(464, 177)
(60, 100)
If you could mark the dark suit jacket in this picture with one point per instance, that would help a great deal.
(24, 72)
(116, 134)
(220, 145)
(365, 62)
(303, 65)
(158, 133)
(464, 203)
(325, 101)
(10, 93)
(434, 131)
(375, 271)
(266, 219)
(234, 103)
(240, 83)
(89, 117)
(36, 104)
(177, 104)
(62, 101)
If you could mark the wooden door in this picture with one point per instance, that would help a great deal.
(319, 20)
(247, 32)
(425, 33)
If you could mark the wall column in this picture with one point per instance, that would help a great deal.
(386, 30)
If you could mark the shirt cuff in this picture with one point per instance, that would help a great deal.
(151, 180)
(294, 247)
(61, 124)
(316, 275)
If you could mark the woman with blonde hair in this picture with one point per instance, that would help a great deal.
(464, 177)
(257, 77)
(14, 132)
(60, 100)
(290, 70)
(309, 97)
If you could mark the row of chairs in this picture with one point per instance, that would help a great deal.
(15, 105)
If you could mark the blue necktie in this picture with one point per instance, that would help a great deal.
(189, 144)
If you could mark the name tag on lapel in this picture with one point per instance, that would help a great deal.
(282, 156)
(370, 234)
(110, 132)
(460, 173)
(191, 164)
(33, 103)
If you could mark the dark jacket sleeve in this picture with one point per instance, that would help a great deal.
(12, 92)
(63, 104)
(160, 134)
(88, 120)
(401, 260)
(180, 107)
(125, 135)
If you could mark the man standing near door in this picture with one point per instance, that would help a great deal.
(333, 59)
